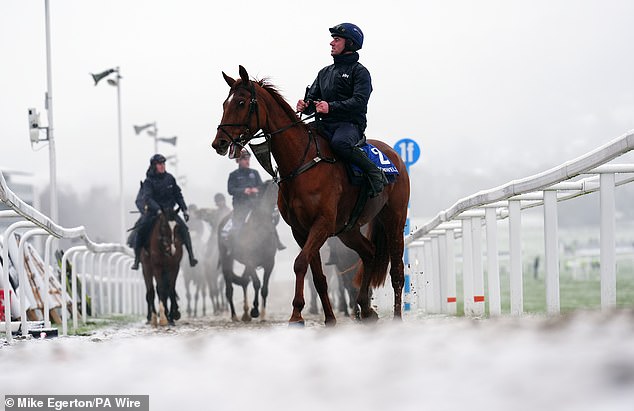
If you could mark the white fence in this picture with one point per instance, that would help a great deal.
(436, 288)
(113, 287)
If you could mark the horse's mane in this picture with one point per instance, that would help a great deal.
(277, 96)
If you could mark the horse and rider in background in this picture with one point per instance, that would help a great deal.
(158, 237)
(206, 277)
(250, 239)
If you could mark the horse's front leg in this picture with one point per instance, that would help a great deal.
(321, 285)
(174, 313)
(149, 299)
(310, 248)
(161, 288)
(229, 295)
(255, 310)
(245, 304)
(268, 269)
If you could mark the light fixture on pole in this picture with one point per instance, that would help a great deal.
(152, 131)
(116, 81)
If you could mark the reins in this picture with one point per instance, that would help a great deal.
(265, 161)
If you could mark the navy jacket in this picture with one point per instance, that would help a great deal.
(239, 180)
(346, 86)
(161, 191)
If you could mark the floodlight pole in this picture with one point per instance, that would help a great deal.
(54, 214)
(117, 82)
(121, 202)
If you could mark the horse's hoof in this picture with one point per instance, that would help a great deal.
(370, 317)
(296, 324)
(356, 313)
(255, 313)
(246, 317)
(154, 320)
(177, 315)
(235, 318)
(331, 322)
(171, 322)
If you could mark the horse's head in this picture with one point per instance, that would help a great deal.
(241, 117)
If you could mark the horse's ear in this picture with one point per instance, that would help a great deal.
(228, 79)
(244, 75)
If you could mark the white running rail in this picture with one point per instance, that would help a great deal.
(436, 291)
(118, 279)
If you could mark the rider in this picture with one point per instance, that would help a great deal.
(339, 96)
(159, 191)
(244, 185)
(214, 216)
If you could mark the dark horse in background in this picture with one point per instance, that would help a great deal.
(206, 277)
(343, 268)
(347, 266)
(254, 245)
(316, 197)
(160, 262)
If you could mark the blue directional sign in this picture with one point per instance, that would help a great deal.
(409, 150)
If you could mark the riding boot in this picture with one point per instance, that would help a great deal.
(190, 249)
(376, 176)
(137, 258)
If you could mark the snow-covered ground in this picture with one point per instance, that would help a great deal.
(582, 361)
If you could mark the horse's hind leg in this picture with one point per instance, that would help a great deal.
(394, 225)
(397, 274)
(188, 297)
(359, 243)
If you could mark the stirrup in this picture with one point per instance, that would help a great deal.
(192, 262)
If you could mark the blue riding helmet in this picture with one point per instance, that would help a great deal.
(348, 31)
(157, 158)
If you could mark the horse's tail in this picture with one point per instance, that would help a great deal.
(378, 273)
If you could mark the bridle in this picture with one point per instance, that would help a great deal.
(247, 136)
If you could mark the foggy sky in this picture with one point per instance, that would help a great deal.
(491, 90)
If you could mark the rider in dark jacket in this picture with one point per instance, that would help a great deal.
(339, 97)
(244, 186)
(159, 191)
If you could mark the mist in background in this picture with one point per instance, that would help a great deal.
(491, 90)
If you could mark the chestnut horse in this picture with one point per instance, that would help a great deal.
(316, 197)
(161, 263)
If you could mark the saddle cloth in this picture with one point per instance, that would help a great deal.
(379, 159)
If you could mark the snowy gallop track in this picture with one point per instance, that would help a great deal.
(579, 361)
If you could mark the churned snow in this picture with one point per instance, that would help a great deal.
(580, 361)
